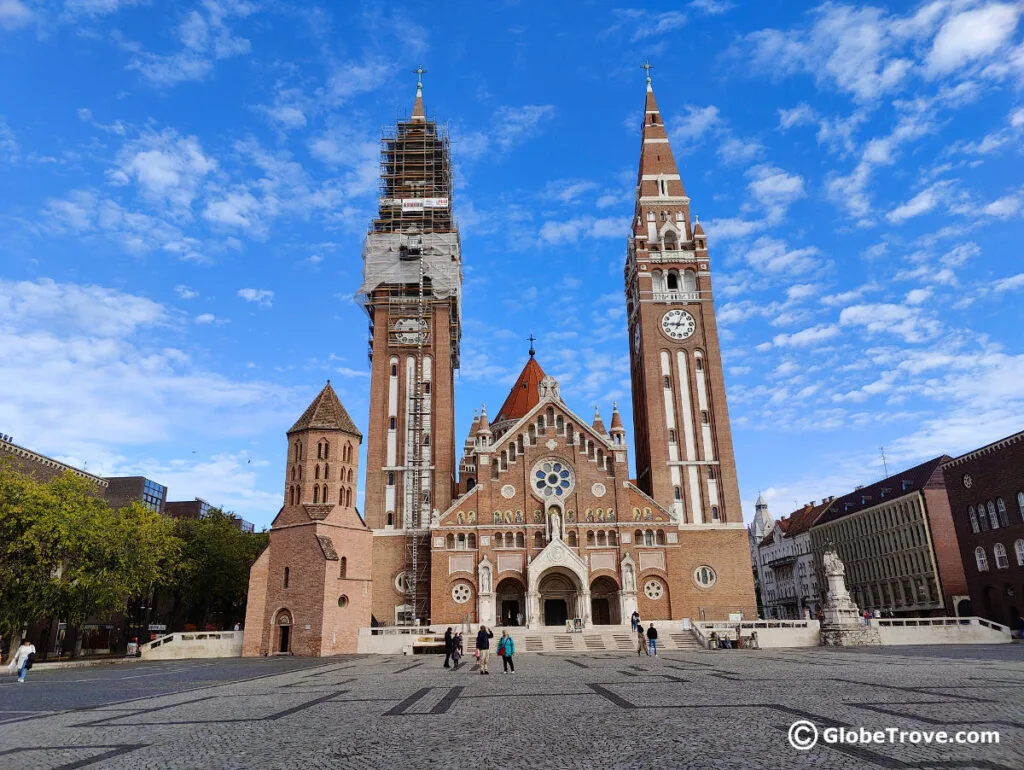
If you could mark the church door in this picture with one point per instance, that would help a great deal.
(285, 638)
(600, 612)
(555, 612)
(509, 612)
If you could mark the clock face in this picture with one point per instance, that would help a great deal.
(678, 324)
(409, 331)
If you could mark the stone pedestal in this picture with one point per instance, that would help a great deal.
(842, 624)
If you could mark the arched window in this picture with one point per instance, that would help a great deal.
(499, 540)
(613, 539)
(668, 381)
(999, 551)
(391, 423)
(571, 539)
(982, 518)
(974, 519)
(316, 472)
(471, 540)
(300, 473)
(291, 496)
(460, 542)
(343, 568)
(520, 540)
(287, 574)
(689, 280)
(391, 519)
(590, 538)
(350, 475)
(992, 515)
(678, 493)
(391, 478)
(470, 483)
(981, 559)
(325, 493)
(698, 362)
(714, 512)
(1020, 503)
(316, 494)
(394, 370)
(660, 537)
(426, 441)
(638, 537)
(1004, 521)
(602, 538)
(705, 417)
(1018, 547)
(538, 540)
(327, 472)
(711, 473)
(648, 537)
(449, 541)
(327, 450)
(672, 282)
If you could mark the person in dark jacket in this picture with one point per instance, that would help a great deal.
(634, 619)
(652, 640)
(483, 646)
(447, 647)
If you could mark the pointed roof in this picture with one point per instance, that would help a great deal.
(418, 113)
(598, 422)
(698, 229)
(525, 394)
(616, 419)
(326, 413)
(656, 153)
(484, 426)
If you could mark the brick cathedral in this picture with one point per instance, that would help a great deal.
(537, 522)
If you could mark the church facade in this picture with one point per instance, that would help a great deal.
(538, 522)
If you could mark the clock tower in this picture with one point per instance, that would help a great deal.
(412, 282)
(684, 454)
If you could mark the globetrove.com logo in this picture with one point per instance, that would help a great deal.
(804, 735)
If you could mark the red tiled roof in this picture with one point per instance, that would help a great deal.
(326, 412)
(525, 394)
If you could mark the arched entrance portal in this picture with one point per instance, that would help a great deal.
(559, 597)
(284, 634)
(604, 602)
(510, 596)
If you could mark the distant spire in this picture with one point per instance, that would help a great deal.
(598, 422)
(484, 427)
(616, 419)
(532, 339)
(648, 67)
(418, 113)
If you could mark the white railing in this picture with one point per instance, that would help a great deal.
(962, 621)
(675, 296)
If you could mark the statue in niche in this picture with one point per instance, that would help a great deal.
(460, 517)
(556, 525)
(590, 515)
(485, 580)
(508, 517)
(472, 517)
(611, 514)
(538, 517)
(636, 514)
(519, 517)
(628, 581)
(600, 515)
(497, 517)
(648, 516)
(570, 516)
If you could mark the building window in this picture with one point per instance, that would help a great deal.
(287, 574)
(571, 539)
(659, 537)
(1019, 548)
(654, 589)
(538, 540)
(668, 382)
(1004, 521)
(678, 493)
(520, 540)
(343, 568)
(426, 388)
(981, 559)
(590, 539)
(705, 577)
(460, 543)
(999, 551)
(974, 520)
(714, 512)
(391, 478)
(648, 537)
(316, 472)
(391, 424)
(1020, 504)
(704, 417)
(391, 519)
(671, 436)
(711, 474)
(698, 360)
(982, 518)
(992, 515)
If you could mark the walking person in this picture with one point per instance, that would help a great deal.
(483, 647)
(506, 649)
(652, 640)
(456, 651)
(22, 660)
(641, 641)
(448, 647)
(634, 619)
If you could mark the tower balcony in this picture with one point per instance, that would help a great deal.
(675, 296)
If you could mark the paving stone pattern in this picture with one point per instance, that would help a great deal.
(725, 709)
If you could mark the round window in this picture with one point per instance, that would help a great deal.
(654, 589)
(552, 479)
(704, 577)
(400, 582)
(342, 601)
(461, 593)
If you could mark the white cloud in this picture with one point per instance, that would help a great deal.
(206, 318)
(567, 190)
(806, 337)
(262, 297)
(572, 230)
(1012, 283)
(8, 143)
(346, 371)
(972, 35)
(76, 8)
(800, 115)
(801, 291)
(1017, 118)
(185, 292)
(695, 123)
(911, 324)
(735, 150)
(167, 167)
(1005, 207)
(711, 7)
(236, 209)
(14, 14)
(646, 23)
(922, 203)
(731, 227)
(774, 256)
(918, 296)
(775, 189)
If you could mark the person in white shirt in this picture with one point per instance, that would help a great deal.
(23, 658)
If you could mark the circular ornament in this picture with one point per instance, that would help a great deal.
(968, 481)
(508, 491)
(598, 489)
(552, 479)
(461, 593)
(654, 589)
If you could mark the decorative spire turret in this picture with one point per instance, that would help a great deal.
(483, 429)
(418, 113)
(598, 422)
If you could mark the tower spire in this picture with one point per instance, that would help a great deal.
(418, 113)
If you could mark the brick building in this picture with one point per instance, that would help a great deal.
(539, 522)
(200, 509)
(43, 468)
(897, 540)
(986, 495)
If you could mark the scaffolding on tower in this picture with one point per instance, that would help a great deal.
(412, 266)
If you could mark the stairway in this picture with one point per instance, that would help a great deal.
(595, 640)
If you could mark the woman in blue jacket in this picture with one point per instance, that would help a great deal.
(506, 649)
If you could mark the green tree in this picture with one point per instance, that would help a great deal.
(23, 501)
(213, 580)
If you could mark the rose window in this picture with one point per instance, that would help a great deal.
(654, 589)
(704, 577)
(552, 479)
(461, 593)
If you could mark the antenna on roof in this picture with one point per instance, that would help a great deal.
(885, 466)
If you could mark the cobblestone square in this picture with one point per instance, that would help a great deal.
(727, 709)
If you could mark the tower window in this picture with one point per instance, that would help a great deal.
(704, 418)
(327, 450)
(343, 569)
(391, 423)
(316, 472)
(287, 574)
(671, 436)
(394, 370)
(714, 512)
(699, 362)
(391, 519)
(426, 388)
(678, 493)
(426, 441)
(668, 382)
(391, 478)
(327, 470)
(316, 494)
(672, 282)
(711, 473)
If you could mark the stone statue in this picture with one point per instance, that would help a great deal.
(435, 518)
(832, 563)
(485, 580)
(556, 528)
(461, 517)
(628, 582)
(472, 517)
(519, 517)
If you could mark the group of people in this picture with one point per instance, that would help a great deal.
(453, 650)
(646, 641)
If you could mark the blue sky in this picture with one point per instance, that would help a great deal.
(184, 190)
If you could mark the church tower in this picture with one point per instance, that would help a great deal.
(684, 453)
(412, 280)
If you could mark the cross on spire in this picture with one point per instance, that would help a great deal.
(648, 67)
(420, 72)
(532, 339)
